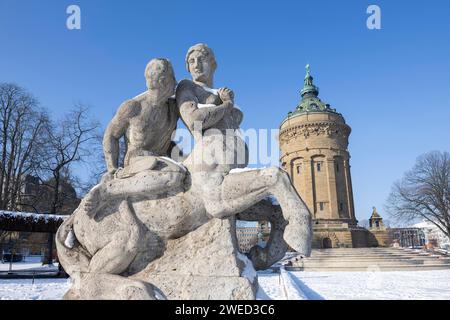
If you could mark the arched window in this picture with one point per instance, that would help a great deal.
(321, 206)
(327, 243)
(296, 166)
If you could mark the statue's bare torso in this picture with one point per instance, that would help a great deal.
(149, 126)
(219, 130)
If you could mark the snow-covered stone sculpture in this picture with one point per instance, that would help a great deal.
(159, 229)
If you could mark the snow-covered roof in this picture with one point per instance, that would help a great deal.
(35, 216)
(246, 224)
(424, 224)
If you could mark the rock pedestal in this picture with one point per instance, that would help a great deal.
(204, 264)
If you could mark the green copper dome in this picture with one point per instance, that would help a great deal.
(308, 86)
(310, 98)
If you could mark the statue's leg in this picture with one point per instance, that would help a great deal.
(276, 247)
(71, 254)
(118, 254)
(238, 191)
(145, 184)
(115, 257)
(102, 286)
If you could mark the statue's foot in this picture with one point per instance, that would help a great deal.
(298, 236)
(139, 291)
(104, 286)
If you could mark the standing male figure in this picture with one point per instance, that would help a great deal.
(147, 122)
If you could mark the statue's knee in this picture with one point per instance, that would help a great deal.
(176, 179)
(138, 291)
(216, 210)
(275, 175)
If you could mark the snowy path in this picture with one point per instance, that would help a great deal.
(42, 289)
(270, 287)
(395, 285)
(312, 285)
(399, 285)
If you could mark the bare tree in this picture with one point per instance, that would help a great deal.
(74, 139)
(37, 155)
(424, 192)
(387, 223)
(41, 197)
(21, 129)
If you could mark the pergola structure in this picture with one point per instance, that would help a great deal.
(30, 222)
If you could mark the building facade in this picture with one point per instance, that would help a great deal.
(407, 237)
(249, 236)
(314, 151)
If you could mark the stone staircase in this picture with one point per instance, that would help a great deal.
(368, 259)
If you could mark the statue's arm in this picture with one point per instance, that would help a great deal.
(174, 151)
(115, 130)
(190, 113)
(238, 115)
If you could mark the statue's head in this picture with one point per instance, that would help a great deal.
(160, 76)
(201, 63)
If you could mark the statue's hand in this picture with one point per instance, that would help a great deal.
(226, 94)
(108, 176)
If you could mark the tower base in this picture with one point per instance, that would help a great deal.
(340, 234)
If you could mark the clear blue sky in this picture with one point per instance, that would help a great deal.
(392, 85)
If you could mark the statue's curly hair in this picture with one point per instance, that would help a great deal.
(164, 62)
(205, 50)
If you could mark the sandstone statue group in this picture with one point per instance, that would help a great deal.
(162, 225)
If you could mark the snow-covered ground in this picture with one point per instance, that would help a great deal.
(42, 289)
(292, 285)
(395, 285)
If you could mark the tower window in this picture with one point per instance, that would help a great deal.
(299, 169)
(341, 206)
(337, 167)
(321, 204)
(319, 167)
